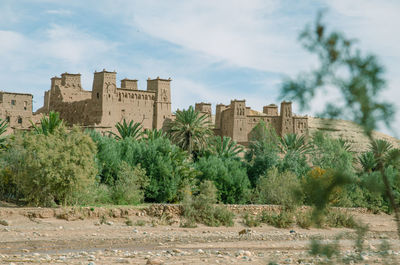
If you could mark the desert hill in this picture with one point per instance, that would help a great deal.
(347, 130)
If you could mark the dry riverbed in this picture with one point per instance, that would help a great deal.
(103, 236)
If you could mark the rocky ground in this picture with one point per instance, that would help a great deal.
(139, 236)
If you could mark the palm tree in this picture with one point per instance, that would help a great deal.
(190, 130)
(367, 161)
(48, 124)
(128, 130)
(3, 129)
(346, 145)
(384, 153)
(380, 148)
(154, 134)
(294, 143)
(225, 147)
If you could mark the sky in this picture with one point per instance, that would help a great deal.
(214, 51)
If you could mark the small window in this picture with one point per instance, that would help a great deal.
(98, 95)
(13, 102)
(19, 120)
(8, 119)
(25, 105)
(109, 113)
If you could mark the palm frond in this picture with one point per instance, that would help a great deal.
(225, 147)
(48, 124)
(190, 129)
(128, 130)
(294, 143)
(154, 134)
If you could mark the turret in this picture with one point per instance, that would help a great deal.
(69, 80)
(162, 103)
(238, 111)
(204, 108)
(218, 113)
(129, 84)
(271, 110)
(104, 83)
(286, 118)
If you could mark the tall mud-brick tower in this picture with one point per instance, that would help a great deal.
(162, 103)
(104, 86)
(286, 118)
(238, 108)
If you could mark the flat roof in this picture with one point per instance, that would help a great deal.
(13, 93)
(70, 74)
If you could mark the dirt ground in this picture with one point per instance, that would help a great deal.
(35, 235)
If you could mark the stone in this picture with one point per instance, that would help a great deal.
(154, 262)
(4, 223)
(200, 251)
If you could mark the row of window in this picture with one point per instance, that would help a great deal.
(14, 102)
(19, 119)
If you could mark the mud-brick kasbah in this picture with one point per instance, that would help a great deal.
(108, 104)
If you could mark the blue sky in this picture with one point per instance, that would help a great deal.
(214, 51)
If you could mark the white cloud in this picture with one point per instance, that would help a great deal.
(242, 33)
(10, 41)
(59, 12)
(72, 45)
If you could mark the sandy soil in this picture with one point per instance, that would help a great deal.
(49, 240)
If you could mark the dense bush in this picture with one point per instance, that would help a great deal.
(129, 185)
(328, 153)
(317, 182)
(228, 175)
(166, 165)
(279, 188)
(201, 208)
(48, 169)
(263, 151)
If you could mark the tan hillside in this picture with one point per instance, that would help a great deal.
(347, 130)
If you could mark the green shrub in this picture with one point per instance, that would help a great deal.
(128, 222)
(140, 223)
(50, 169)
(129, 185)
(326, 187)
(165, 164)
(294, 162)
(279, 188)
(338, 219)
(304, 219)
(282, 220)
(228, 175)
(201, 208)
(328, 153)
(251, 220)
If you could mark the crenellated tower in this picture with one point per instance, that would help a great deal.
(286, 118)
(162, 103)
(104, 85)
(239, 118)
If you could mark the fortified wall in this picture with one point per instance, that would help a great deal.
(108, 104)
(237, 120)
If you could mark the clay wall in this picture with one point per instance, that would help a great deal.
(218, 115)
(271, 110)
(136, 105)
(130, 84)
(300, 125)
(204, 108)
(17, 109)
